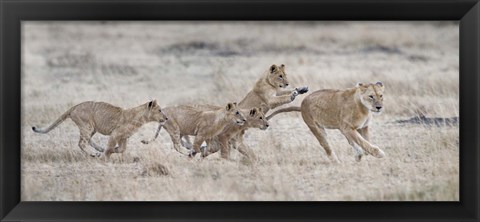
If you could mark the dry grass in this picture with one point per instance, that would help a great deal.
(183, 62)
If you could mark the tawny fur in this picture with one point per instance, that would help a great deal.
(255, 119)
(270, 90)
(349, 110)
(92, 117)
(268, 93)
(204, 124)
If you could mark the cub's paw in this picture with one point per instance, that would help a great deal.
(294, 94)
(302, 90)
(96, 155)
(192, 154)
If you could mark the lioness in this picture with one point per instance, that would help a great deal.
(349, 110)
(203, 124)
(92, 117)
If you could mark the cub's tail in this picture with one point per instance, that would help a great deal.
(54, 124)
(284, 110)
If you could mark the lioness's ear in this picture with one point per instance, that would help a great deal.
(282, 67)
(273, 68)
(229, 106)
(150, 104)
(253, 111)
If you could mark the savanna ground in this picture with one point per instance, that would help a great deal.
(129, 63)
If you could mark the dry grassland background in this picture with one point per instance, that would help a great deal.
(129, 63)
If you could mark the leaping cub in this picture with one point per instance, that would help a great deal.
(270, 91)
(92, 117)
(349, 110)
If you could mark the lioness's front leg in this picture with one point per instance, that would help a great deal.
(353, 135)
(364, 132)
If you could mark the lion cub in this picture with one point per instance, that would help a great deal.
(203, 124)
(255, 119)
(120, 124)
(270, 90)
(349, 110)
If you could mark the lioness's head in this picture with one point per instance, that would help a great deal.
(371, 96)
(154, 112)
(277, 76)
(256, 119)
(234, 114)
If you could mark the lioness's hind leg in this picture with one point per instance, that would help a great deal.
(321, 135)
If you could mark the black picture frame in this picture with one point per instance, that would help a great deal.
(12, 12)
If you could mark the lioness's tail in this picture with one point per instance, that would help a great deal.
(156, 135)
(284, 110)
(54, 124)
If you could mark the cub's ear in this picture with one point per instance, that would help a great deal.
(253, 112)
(379, 84)
(360, 84)
(152, 103)
(282, 66)
(273, 68)
(231, 106)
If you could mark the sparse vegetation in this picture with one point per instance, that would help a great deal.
(128, 63)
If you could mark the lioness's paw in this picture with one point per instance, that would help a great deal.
(302, 90)
(378, 152)
(358, 157)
